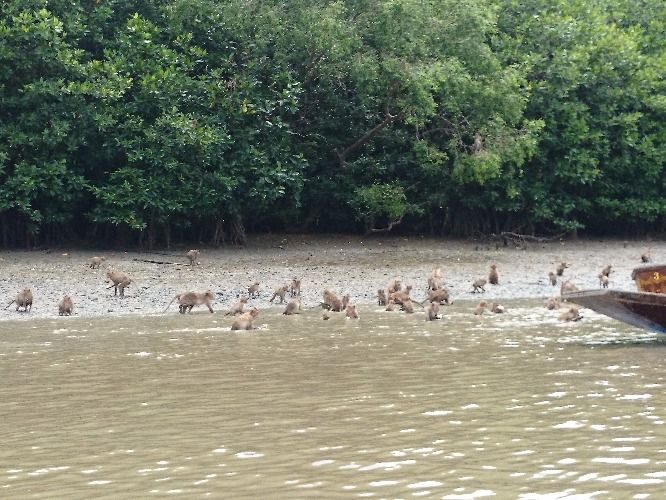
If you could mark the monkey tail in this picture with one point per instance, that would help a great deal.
(167, 307)
(7, 306)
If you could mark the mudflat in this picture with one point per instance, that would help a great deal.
(345, 264)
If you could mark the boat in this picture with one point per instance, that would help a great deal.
(645, 308)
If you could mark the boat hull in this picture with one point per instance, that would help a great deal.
(642, 309)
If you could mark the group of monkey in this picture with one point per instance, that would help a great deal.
(394, 297)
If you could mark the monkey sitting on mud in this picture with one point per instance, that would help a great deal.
(432, 311)
(441, 296)
(560, 268)
(552, 277)
(187, 300)
(351, 312)
(571, 315)
(381, 297)
(401, 296)
(332, 302)
(245, 320)
(120, 281)
(253, 290)
(493, 277)
(192, 256)
(293, 307)
(480, 308)
(23, 299)
(237, 308)
(552, 303)
(65, 306)
(435, 279)
(295, 288)
(95, 262)
(394, 286)
(280, 291)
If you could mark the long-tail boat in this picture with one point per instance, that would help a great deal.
(645, 308)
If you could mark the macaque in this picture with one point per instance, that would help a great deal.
(253, 290)
(390, 306)
(293, 307)
(394, 286)
(568, 287)
(295, 288)
(480, 308)
(332, 302)
(245, 320)
(345, 300)
(553, 303)
(571, 315)
(280, 291)
(606, 270)
(493, 277)
(477, 147)
(407, 306)
(401, 296)
(351, 312)
(381, 297)
(187, 300)
(553, 278)
(432, 311)
(645, 258)
(497, 308)
(237, 308)
(65, 306)
(120, 281)
(95, 262)
(325, 316)
(603, 280)
(561, 267)
(440, 296)
(435, 279)
(479, 286)
(23, 299)
(192, 256)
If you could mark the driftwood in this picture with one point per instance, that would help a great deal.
(522, 238)
(158, 262)
(385, 229)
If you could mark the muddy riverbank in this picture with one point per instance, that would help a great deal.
(345, 264)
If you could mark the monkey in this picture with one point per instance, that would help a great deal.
(407, 306)
(497, 308)
(553, 278)
(120, 281)
(237, 308)
(435, 279)
(65, 306)
(561, 267)
(432, 311)
(351, 312)
(553, 303)
(280, 292)
(394, 286)
(441, 296)
(568, 287)
(345, 300)
(401, 296)
(95, 262)
(607, 270)
(381, 297)
(493, 277)
(645, 258)
(253, 290)
(332, 302)
(480, 308)
(293, 307)
(603, 280)
(477, 147)
(192, 256)
(187, 300)
(23, 299)
(295, 288)
(325, 316)
(390, 306)
(479, 285)
(571, 315)
(244, 321)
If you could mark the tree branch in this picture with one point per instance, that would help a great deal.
(342, 155)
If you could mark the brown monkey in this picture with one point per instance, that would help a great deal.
(381, 297)
(645, 258)
(332, 302)
(295, 288)
(432, 311)
(407, 306)
(435, 279)
(493, 277)
(192, 256)
(560, 268)
(23, 299)
(120, 281)
(497, 308)
(477, 147)
(553, 303)
(65, 306)
(244, 321)
(571, 315)
(390, 306)
(95, 262)
(280, 291)
(394, 286)
(606, 270)
(187, 300)
(480, 308)
(568, 287)
(553, 278)
(603, 280)
(325, 316)
(440, 296)
(237, 308)
(479, 286)
(351, 312)
(401, 296)
(253, 289)
(293, 307)
(345, 300)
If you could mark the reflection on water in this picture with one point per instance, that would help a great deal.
(508, 406)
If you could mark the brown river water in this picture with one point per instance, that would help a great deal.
(516, 405)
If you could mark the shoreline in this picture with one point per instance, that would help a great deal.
(345, 264)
